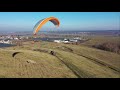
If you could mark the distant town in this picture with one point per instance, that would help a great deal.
(10, 39)
(67, 37)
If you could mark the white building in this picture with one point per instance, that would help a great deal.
(66, 41)
(16, 38)
(78, 38)
(57, 41)
(7, 41)
(73, 40)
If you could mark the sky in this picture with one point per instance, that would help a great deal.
(25, 21)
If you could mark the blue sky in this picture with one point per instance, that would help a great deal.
(25, 21)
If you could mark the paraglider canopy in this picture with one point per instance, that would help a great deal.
(38, 25)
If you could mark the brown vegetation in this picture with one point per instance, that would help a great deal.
(108, 46)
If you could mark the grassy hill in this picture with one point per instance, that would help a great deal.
(102, 39)
(68, 61)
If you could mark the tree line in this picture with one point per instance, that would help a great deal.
(108, 46)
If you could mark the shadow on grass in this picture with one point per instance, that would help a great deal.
(15, 53)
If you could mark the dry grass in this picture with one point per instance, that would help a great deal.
(104, 56)
(46, 66)
(86, 68)
(102, 39)
(69, 63)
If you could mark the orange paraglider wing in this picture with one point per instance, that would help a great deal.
(38, 26)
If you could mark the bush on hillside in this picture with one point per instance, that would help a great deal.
(108, 46)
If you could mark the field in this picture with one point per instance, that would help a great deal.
(102, 39)
(68, 61)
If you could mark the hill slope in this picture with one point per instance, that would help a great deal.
(69, 61)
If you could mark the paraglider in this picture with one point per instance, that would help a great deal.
(39, 25)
